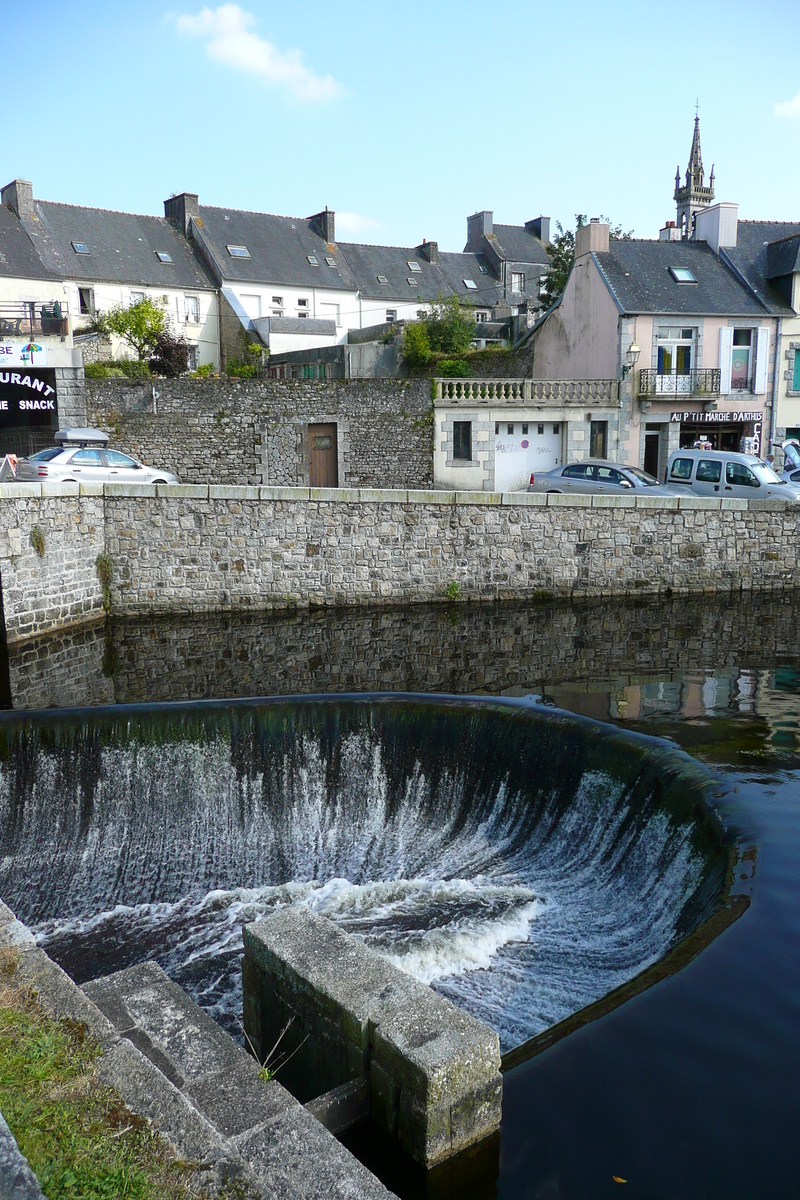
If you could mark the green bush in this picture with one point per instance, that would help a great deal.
(452, 367)
(450, 329)
(203, 371)
(123, 368)
(240, 370)
(416, 344)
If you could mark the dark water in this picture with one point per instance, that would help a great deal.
(690, 1089)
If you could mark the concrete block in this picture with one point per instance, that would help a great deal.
(59, 996)
(19, 491)
(91, 489)
(283, 493)
(137, 491)
(562, 500)
(524, 499)
(383, 495)
(735, 503)
(183, 491)
(237, 1099)
(599, 501)
(660, 502)
(60, 490)
(779, 506)
(343, 1106)
(478, 498)
(225, 491)
(331, 494)
(704, 502)
(432, 496)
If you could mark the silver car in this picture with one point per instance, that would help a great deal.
(597, 476)
(83, 456)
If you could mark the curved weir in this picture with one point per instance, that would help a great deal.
(523, 861)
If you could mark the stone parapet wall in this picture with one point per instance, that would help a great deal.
(254, 431)
(216, 549)
(59, 587)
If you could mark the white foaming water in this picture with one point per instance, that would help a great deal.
(522, 916)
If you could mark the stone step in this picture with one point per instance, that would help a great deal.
(282, 1147)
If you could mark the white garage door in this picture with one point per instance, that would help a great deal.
(521, 449)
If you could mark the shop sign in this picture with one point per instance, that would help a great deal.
(22, 354)
(28, 398)
(715, 417)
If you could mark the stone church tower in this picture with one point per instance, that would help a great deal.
(693, 196)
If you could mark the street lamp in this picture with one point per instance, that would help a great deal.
(632, 357)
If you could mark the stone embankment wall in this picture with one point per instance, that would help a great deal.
(254, 431)
(55, 585)
(215, 549)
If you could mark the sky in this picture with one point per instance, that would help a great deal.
(403, 118)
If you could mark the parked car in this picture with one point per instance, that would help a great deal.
(791, 461)
(597, 476)
(726, 473)
(83, 456)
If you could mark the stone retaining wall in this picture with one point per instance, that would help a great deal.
(193, 549)
(254, 431)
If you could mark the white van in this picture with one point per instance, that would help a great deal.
(725, 473)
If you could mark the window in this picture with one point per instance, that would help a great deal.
(238, 251)
(496, 428)
(470, 285)
(277, 301)
(87, 458)
(115, 459)
(312, 258)
(382, 279)
(192, 357)
(276, 312)
(739, 475)
(412, 281)
(331, 262)
(682, 275)
(86, 300)
(163, 257)
(598, 439)
(740, 359)
(414, 266)
(481, 316)
(136, 297)
(796, 372)
(540, 429)
(708, 471)
(608, 474)
(391, 316)
(462, 441)
(675, 359)
(302, 315)
(510, 429)
(578, 471)
(80, 247)
(302, 303)
(191, 308)
(682, 470)
(524, 428)
(556, 428)
(517, 281)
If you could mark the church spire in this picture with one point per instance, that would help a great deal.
(694, 195)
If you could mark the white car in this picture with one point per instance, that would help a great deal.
(83, 456)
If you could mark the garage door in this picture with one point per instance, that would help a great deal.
(522, 448)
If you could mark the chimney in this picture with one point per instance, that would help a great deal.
(540, 228)
(181, 209)
(18, 196)
(479, 226)
(718, 225)
(430, 250)
(324, 224)
(591, 239)
(670, 233)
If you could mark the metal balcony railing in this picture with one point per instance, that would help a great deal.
(29, 319)
(704, 381)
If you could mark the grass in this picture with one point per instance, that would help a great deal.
(79, 1138)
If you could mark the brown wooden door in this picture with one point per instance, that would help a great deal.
(324, 469)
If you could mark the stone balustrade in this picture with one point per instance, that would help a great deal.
(514, 392)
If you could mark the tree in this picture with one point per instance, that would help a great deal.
(170, 355)
(140, 325)
(416, 344)
(562, 255)
(450, 329)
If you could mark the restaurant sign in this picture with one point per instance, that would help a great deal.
(22, 354)
(28, 398)
(716, 417)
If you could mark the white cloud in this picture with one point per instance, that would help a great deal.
(350, 222)
(231, 39)
(789, 108)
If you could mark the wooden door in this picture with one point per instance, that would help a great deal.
(324, 461)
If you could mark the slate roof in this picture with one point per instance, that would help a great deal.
(637, 274)
(122, 247)
(518, 245)
(367, 262)
(455, 268)
(750, 257)
(278, 248)
(18, 258)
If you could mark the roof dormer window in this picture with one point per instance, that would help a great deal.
(414, 266)
(382, 279)
(238, 251)
(163, 257)
(80, 247)
(331, 262)
(412, 281)
(471, 285)
(682, 275)
(312, 259)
